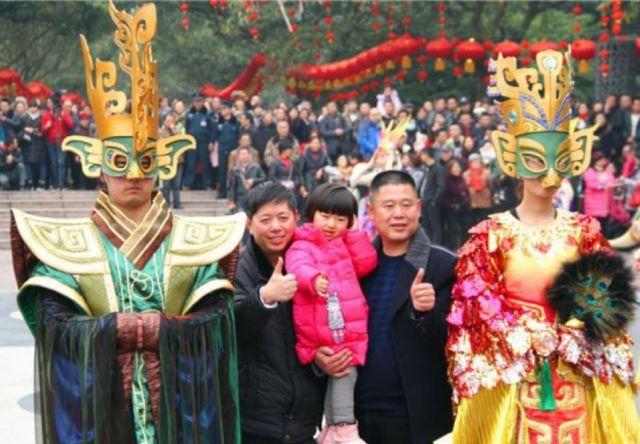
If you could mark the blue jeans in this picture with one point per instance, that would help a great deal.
(52, 156)
(171, 188)
(36, 173)
(198, 156)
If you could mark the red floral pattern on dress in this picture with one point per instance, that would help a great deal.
(493, 339)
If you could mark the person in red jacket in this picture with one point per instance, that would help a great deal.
(329, 308)
(56, 125)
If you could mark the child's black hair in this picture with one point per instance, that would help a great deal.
(334, 199)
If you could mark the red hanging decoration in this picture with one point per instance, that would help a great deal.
(439, 49)
(184, 7)
(248, 81)
(470, 52)
(617, 15)
(457, 71)
(583, 50)
(540, 46)
(422, 76)
(213, 3)
(507, 48)
(185, 23)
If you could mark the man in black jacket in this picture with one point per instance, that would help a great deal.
(198, 123)
(402, 394)
(431, 190)
(281, 401)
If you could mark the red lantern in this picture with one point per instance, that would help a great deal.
(577, 27)
(376, 26)
(38, 90)
(525, 61)
(439, 49)
(457, 71)
(604, 69)
(387, 81)
(213, 3)
(185, 22)
(507, 49)
(328, 20)
(73, 98)
(616, 29)
(422, 76)
(329, 36)
(470, 51)
(603, 38)
(577, 9)
(8, 76)
(184, 7)
(400, 75)
(540, 46)
(422, 59)
(604, 54)
(255, 33)
(583, 50)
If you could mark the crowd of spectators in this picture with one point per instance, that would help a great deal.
(446, 148)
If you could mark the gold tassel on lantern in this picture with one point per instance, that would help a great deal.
(358, 79)
(390, 65)
(337, 84)
(406, 62)
(439, 65)
(469, 66)
(291, 82)
(583, 66)
(328, 84)
(379, 69)
(368, 73)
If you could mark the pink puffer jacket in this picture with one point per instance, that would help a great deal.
(343, 260)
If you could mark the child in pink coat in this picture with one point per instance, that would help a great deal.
(329, 309)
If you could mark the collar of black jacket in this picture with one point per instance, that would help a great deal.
(264, 266)
(419, 248)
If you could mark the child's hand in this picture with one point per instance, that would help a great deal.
(322, 285)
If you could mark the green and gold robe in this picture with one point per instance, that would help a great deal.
(133, 323)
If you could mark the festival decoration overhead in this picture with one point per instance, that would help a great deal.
(583, 50)
(38, 90)
(471, 52)
(250, 81)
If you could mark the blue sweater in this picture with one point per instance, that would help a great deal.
(379, 386)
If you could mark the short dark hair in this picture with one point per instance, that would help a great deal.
(266, 193)
(331, 198)
(284, 144)
(391, 177)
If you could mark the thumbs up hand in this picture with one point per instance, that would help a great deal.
(280, 287)
(423, 295)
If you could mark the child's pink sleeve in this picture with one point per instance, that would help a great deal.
(363, 255)
(300, 262)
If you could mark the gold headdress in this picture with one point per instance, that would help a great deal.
(535, 105)
(127, 132)
(391, 134)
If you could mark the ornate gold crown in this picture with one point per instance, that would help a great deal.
(133, 36)
(391, 134)
(528, 104)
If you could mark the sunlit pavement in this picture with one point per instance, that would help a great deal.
(16, 364)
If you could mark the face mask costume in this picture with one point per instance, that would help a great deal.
(130, 317)
(127, 143)
(537, 344)
(535, 104)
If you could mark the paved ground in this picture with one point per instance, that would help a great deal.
(16, 358)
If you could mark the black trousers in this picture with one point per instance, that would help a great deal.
(375, 428)
(432, 222)
(248, 438)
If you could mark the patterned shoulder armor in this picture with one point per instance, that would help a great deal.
(197, 241)
(69, 245)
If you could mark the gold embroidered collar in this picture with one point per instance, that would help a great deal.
(138, 242)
